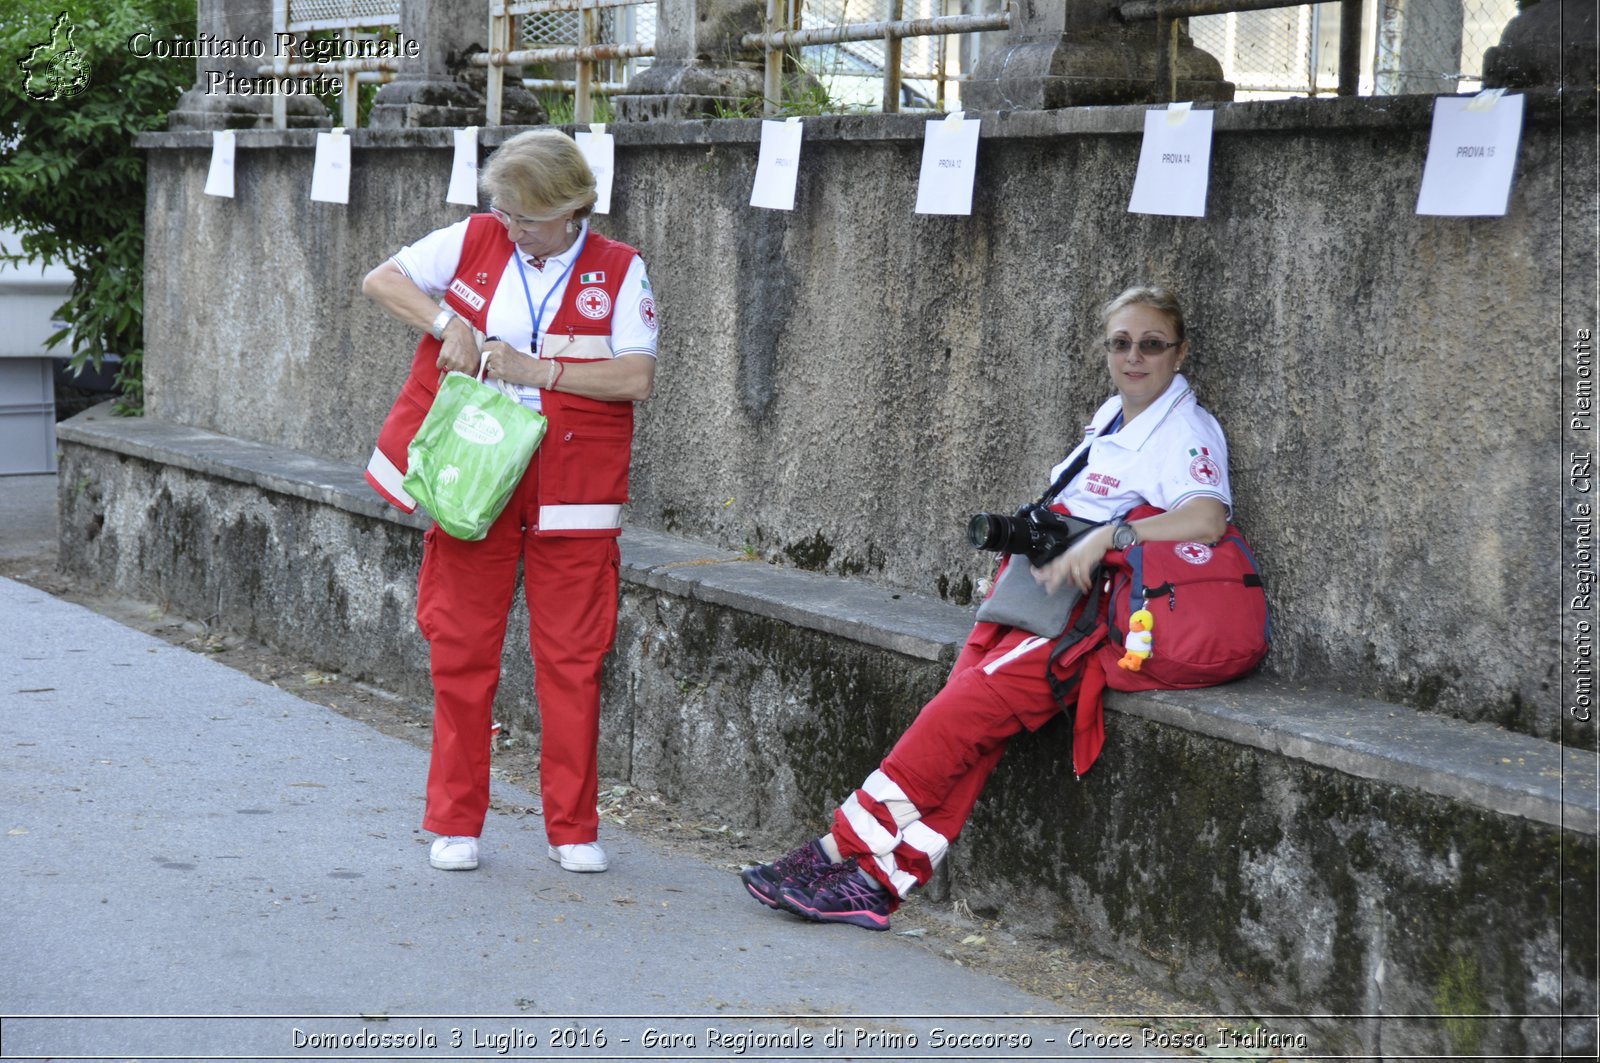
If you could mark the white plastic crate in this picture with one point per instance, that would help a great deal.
(27, 416)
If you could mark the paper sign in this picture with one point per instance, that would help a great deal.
(778, 165)
(949, 164)
(1174, 163)
(600, 150)
(219, 178)
(330, 170)
(464, 168)
(1472, 152)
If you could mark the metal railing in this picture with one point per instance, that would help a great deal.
(1398, 46)
(355, 24)
(585, 55)
(1168, 15)
(783, 33)
(1381, 46)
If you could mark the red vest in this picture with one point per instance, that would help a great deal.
(583, 461)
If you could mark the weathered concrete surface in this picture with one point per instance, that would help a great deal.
(1269, 849)
(842, 386)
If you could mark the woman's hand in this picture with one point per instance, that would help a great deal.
(514, 366)
(458, 353)
(1077, 564)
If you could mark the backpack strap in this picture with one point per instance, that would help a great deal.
(1077, 631)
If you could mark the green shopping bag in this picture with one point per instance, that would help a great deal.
(469, 454)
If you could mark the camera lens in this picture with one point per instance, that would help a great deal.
(986, 531)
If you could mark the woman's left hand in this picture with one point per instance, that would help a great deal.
(511, 365)
(1077, 564)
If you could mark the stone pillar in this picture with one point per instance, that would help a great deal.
(1072, 53)
(700, 66)
(1548, 43)
(208, 105)
(438, 87)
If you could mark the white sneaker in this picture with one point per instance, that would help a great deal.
(582, 856)
(454, 853)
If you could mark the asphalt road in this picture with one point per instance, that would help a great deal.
(199, 865)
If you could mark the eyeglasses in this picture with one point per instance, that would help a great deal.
(508, 220)
(1149, 346)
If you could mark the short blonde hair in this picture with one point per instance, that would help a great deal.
(540, 174)
(1161, 300)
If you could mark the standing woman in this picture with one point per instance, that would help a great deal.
(1139, 449)
(564, 319)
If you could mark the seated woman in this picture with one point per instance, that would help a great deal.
(892, 832)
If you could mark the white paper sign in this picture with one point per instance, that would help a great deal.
(778, 165)
(600, 151)
(330, 170)
(1472, 152)
(464, 168)
(949, 164)
(219, 178)
(1174, 163)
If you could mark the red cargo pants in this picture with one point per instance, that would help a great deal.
(464, 594)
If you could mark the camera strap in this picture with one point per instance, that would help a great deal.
(1077, 464)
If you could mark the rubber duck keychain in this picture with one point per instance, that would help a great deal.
(1138, 642)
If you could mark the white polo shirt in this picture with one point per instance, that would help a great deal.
(1170, 453)
(431, 264)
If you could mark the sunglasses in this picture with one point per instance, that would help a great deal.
(1149, 346)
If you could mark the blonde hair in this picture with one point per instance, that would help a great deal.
(1161, 300)
(540, 174)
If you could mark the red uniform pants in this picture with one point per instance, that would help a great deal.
(901, 821)
(464, 594)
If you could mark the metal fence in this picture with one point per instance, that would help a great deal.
(348, 21)
(1406, 46)
(547, 26)
(893, 55)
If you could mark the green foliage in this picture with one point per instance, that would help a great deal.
(72, 98)
(562, 108)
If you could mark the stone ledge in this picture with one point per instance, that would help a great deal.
(1360, 112)
(1495, 771)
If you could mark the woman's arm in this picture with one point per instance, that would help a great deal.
(1200, 519)
(625, 378)
(389, 287)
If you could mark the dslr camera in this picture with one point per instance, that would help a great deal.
(1037, 532)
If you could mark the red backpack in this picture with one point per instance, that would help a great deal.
(1208, 609)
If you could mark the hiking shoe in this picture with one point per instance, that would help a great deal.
(840, 894)
(454, 853)
(765, 881)
(580, 856)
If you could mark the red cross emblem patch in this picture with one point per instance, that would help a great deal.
(647, 311)
(1203, 468)
(594, 303)
(1194, 553)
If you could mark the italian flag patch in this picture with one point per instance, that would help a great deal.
(592, 278)
(1193, 453)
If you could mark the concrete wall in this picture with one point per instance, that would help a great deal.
(1259, 848)
(841, 387)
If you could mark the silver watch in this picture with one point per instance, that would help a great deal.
(1123, 535)
(441, 322)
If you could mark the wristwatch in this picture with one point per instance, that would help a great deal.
(1123, 535)
(441, 322)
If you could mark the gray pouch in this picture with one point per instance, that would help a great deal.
(1019, 600)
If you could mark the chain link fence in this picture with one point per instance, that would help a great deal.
(1407, 46)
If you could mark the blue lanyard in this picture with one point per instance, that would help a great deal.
(522, 272)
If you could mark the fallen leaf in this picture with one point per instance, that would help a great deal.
(974, 939)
